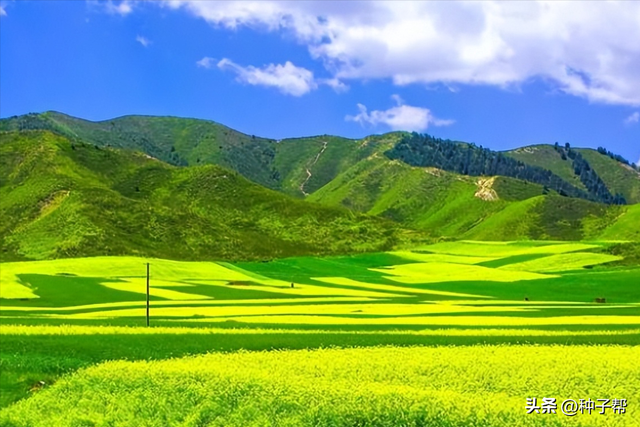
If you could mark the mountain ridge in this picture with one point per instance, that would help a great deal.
(354, 178)
(182, 142)
(62, 198)
(275, 164)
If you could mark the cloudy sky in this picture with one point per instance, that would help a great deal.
(500, 74)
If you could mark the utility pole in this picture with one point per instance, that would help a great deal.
(147, 294)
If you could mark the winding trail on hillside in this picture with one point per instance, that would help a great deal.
(324, 147)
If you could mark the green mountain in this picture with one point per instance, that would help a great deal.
(62, 198)
(625, 226)
(618, 177)
(545, 156)
(296, 166)
(142, 204)
(468, 159)
(308, 164)
(173, 140)
(458, 206)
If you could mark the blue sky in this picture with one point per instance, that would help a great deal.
(501, 75)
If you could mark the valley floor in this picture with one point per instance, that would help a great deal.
(427, 336)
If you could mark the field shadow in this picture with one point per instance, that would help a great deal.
(67, 290)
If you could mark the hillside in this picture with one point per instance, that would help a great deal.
(307, 164)
(60, 198)
(545, 156)
(430, 199)
(278, 165)
(483, 208)
(179, 141)
(300, 166)
(618, 177)
(626, 226)
(471, 192)
(468, 159)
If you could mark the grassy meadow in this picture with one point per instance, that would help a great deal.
(453, 333)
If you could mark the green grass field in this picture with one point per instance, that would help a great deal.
(65, 325)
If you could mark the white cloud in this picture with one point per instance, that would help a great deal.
(287, 78)
(587, 49)
(206, 62)
(401, 117)
(633, 118)
(143, 41)
(122, 8)
(2, 11)
(335, 84)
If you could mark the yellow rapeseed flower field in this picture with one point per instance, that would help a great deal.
(79, 330)
(380, 386)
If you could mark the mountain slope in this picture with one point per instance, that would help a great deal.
(483, 208)
(307, 164)
(358, 175)
(545, 156)
(178, 141)
(626, 226)
(618, 177)
(300, 166)
(468, 159)
(60, 198)
(296, 166)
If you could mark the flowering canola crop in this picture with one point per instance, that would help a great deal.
(380, 386)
